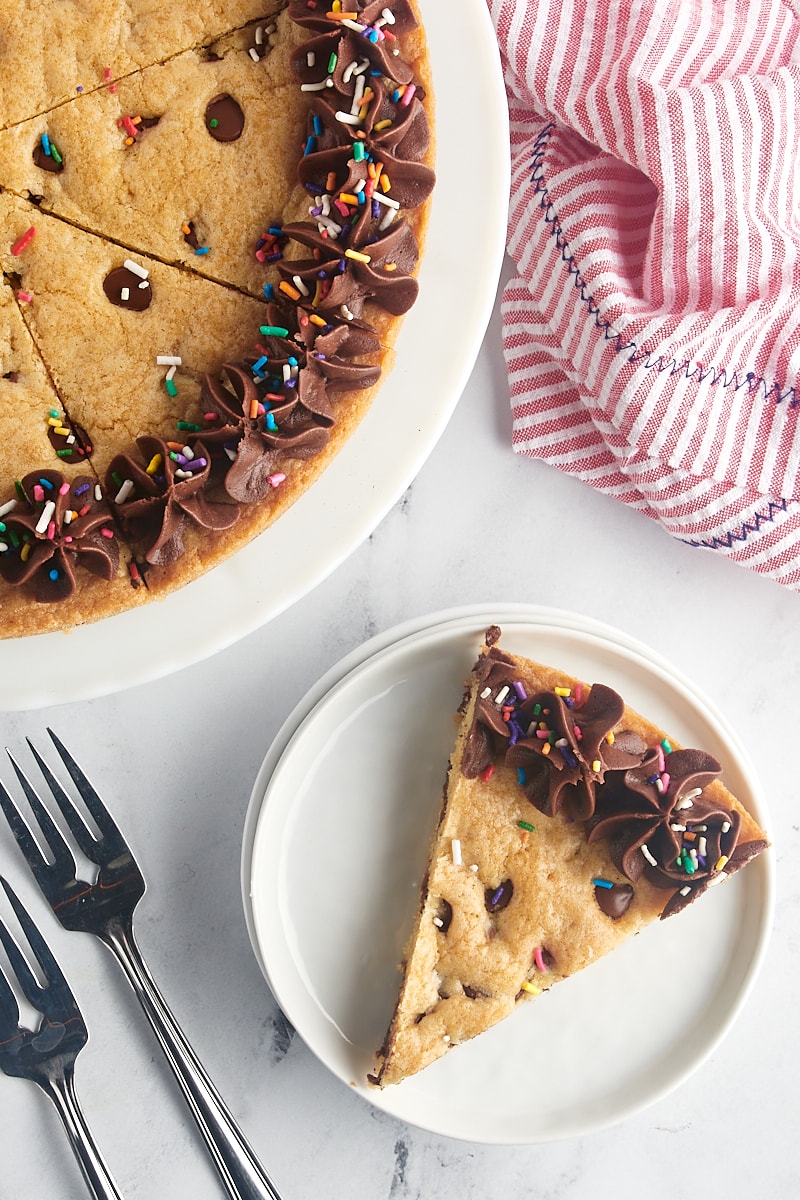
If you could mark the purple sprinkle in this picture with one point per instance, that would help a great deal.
(80, 490)
(520, 690)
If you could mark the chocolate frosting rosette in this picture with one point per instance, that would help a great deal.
(60, 526)
(155, 499)
(661, 823)
(562, 745)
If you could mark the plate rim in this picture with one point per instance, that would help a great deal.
(540, 618)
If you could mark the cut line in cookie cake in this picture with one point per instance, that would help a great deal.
(210, 228)
(569, 823)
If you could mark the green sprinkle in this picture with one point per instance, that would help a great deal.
(189, 427)
(666, 746)
(54, 413)
(64, 453)
(55, 153)
(20, 490)
(213, 123)
(358, 151)
(526, 825)
(115, 475)
(537, 708)
(171, 388)
(274, 331)
(332, 63)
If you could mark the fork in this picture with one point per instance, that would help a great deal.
(47, 1055)
(106, 908)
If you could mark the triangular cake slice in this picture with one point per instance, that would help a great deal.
(569, 823)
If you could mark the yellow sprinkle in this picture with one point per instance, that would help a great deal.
(596, 765)
(348, 198)
(25, 552)
(54, 420)
(357, 255)
(128, 141)
(288, 290)
(532, 988)
(390, 266)
(379, 125)
(385, 184)
(154, 464)
(317, 319)
(546, 748)
(610, 737)
(562, 691)
(61, 431)
(720, 863)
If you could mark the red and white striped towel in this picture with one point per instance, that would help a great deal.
(652, 333)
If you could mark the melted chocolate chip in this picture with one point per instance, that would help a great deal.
(47, 162)
(190, 236)
(614, 901)
(117, 281)
(496, 899)
(224, 118)
(12, 376)
(475, 993)
(444, 915)
(75, 451)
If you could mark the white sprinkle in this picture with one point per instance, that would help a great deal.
(98, 492)
(347, 118)
(314, 87)
(438, 922)
(71, 440)
(348, 71)
(701, 847)
(487, 691)
(446, 1036)
(649, 857)
(346, 313)
(46, 517)
(501, 695)
(180, 473)
(259, 35)
(717, 878)
(358, 189)
(68, 516)
(124, 492)
(699, 828)
(230, 453)
(388, 16)
(3, 547)
(693, 794)
(357, 94)
(171, 373)
(455, 847)
(253, 54)
(382, 198)
(726, 825)
(685, 890)
(474, 867)
(311, 58)
(391, 213)
(168, 360)
(331, 226)
(142, 272)
(8, 507)
(125, 294)
(298, 283)
(354, 25)
(144, 284)
(678, 828)
(361, 67)
(659, 784)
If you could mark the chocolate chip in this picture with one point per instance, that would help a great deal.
(444, 915)
(496, 899)
(122, 287)
(224, 118)
(614, 901)
(47, 162)
(475, 993)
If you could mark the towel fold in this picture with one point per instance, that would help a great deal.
(652, 332)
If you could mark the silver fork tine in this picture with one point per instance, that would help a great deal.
(47, 1056)
(64, 860)
(87, 841)
(109, 831)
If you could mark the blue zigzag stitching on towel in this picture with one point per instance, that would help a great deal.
(638, 354)
(659, 362)
(728, 540)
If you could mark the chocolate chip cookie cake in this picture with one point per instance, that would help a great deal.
(210, 224)
(569, 823)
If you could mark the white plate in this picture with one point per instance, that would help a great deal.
(387, 450)
(335, 847)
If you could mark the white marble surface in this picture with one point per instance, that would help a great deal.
(176, 760)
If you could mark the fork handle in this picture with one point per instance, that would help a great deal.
(95, 1172)
(241, 1172)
